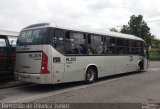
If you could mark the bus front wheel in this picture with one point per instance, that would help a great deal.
(140, 66)
(90, 75)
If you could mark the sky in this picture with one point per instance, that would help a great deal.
(97, 14)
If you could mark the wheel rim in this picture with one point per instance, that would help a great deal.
(90, 75)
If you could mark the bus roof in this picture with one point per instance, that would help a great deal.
(9, 33)
(83, 29)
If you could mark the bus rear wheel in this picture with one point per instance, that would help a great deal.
(90, 75)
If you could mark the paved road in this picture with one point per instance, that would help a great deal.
(141, 87)
(134, 88)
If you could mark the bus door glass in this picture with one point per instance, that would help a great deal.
(3, 54)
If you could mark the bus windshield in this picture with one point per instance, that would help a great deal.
(32, 37)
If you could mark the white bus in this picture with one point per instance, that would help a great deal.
(51, 54)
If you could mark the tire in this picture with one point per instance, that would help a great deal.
(139, 68)
(90, 75)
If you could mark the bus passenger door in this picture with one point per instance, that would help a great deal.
(3, 55)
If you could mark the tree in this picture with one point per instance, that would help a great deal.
(114, 30)
(156, 43)
(125, 29)
(138, 27)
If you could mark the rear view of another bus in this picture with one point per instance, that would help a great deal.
(32, 55)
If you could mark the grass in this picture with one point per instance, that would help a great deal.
(154, 54)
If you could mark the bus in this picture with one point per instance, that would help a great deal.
(51, 54)
(8, 41)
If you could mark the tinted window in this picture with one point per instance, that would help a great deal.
(127, 42)
(76, 43)
(121, 48)
(112, 41)
(128, 49)
(132, 43)
(58, 40)
(95, 43)
(110, 45)
(137, 44)
(142, 44)
(120, 42)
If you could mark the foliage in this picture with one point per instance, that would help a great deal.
(114, 30)
(154, 54)
(138, 27)
(155, 43)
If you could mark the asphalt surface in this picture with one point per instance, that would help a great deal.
(128, 88)
(135, 88)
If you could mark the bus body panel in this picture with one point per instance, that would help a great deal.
(73, 68)
(57, 66)
(33, 78)
(28, 64)
(76, 66)
(33, 66)
(106, 65)
(28, 59)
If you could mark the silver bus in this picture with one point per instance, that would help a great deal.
(51, 54)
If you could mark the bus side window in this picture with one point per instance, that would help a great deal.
(76, 43)
(69, 43)
(132, 46)
(121, 46)
(95, 43)
(142, 48)
(58, 40)
(111, 45)
(128, 51)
